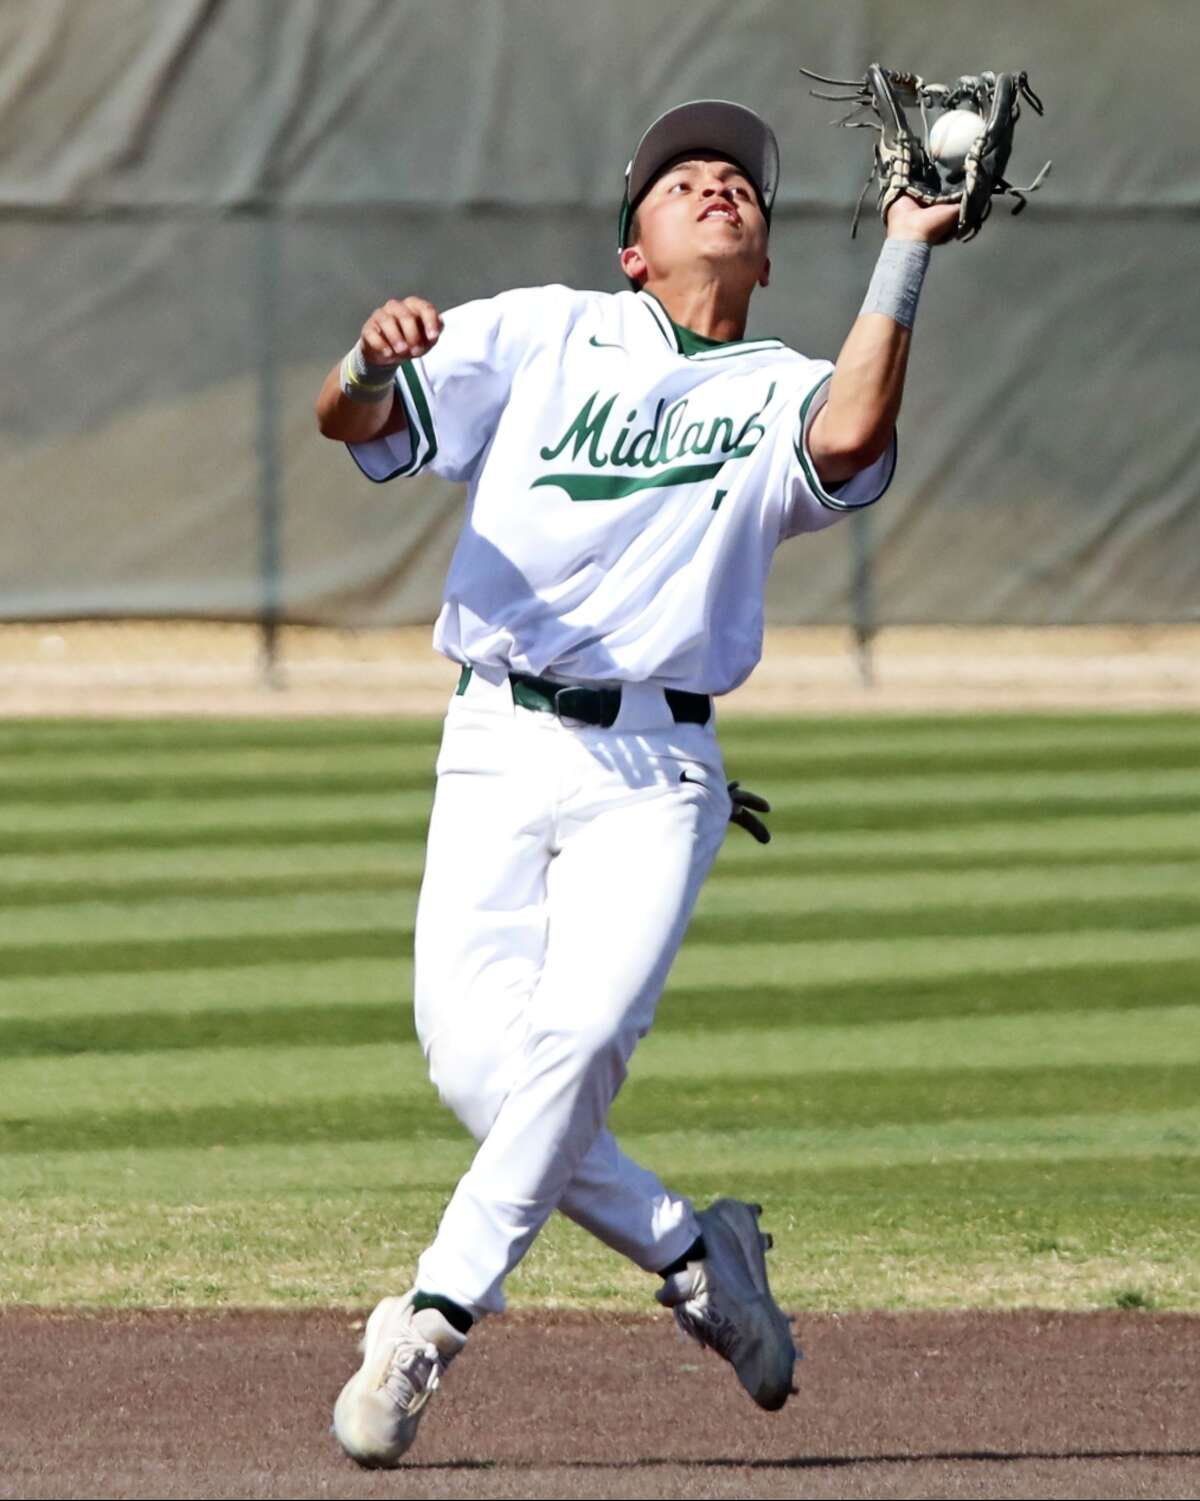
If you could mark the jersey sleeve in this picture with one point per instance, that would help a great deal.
(453, 396)
(810, 506)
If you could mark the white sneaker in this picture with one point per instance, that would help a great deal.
(725, 1303)
(404, 1356)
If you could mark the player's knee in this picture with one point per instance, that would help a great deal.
(594, 1046)
(467, 1081)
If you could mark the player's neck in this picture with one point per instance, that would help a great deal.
(706, 307)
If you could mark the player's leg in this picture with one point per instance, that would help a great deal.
(480, 944)
(629, 1208)
(482, 918)
(482, 925)
(635, 843)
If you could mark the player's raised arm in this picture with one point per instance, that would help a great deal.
(358, 399)
(856, 424)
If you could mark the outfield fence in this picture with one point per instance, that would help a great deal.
(202, 201)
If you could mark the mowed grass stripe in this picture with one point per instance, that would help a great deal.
(735, 971)
(741, 967)
(1086, 1035)
(1043, 1140)
(146, 777)
(784, 1155)
(758, 904)
(1080, 838)
(765, 891)
(59, 1000)
(742, 733)
(877, 764)
(359, 938)
(102, 871)
(179, 765)
(341, 1022)
(950, 920)
(235, 950)
(817, 1101)
(71, 737)
(1005, 727)
(36, 1088)
(174, 833)
(184, 815)
(809, 796)
(812, 805)
(149, 893)
(215, 917)
(1149, 839)
(852, 859)
(961, 749)
(381, 827)
(740, 889)
(89, 791)
(182, 918)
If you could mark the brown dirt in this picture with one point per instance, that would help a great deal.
(922, 1405)
(139, 668)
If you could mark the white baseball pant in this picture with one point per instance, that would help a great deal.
(563, 865)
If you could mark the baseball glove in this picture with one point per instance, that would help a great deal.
(904, 161)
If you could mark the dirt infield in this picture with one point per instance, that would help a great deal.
(139, 668)
(1029, 1404)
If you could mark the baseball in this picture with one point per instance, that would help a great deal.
(952, 136)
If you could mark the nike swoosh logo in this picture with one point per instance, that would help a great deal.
(695, 781)
(599, 344)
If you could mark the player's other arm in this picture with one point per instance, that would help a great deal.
(358, 399)
(855, 426)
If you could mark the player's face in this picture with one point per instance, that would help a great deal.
(702, 211)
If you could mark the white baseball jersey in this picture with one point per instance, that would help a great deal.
(628, 483)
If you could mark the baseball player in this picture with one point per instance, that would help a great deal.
(632, 463)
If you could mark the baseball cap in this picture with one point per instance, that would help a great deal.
(718, 125)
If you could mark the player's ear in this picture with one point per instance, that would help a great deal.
(764, 276)
(633, 263)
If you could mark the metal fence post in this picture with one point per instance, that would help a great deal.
(862, 596)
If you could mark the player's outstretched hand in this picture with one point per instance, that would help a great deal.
(404, 328)
(745, 805)
(909, 220)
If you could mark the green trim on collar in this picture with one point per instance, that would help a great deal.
(694, 346)
(659, 313)
(693, 343)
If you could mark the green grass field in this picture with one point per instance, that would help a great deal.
(946, 1027)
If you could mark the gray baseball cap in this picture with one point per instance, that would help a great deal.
(718, 125)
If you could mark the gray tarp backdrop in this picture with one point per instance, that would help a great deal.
(200, 201)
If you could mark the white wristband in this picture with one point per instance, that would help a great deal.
(363, 382)
(896, 282)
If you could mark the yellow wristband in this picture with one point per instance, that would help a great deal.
(363, 382)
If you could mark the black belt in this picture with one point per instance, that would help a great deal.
(594, 706)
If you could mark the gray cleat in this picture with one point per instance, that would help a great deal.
(724, 1302)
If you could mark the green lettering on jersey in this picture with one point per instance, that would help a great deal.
(727, 440)
(670, 427)
(658, 448)
(647, 436)
(752, 423)
(615, 487)
(586, 428)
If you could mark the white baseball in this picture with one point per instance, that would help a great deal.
(952, 136)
